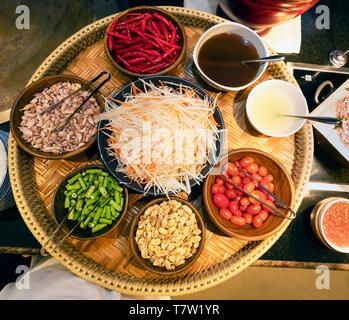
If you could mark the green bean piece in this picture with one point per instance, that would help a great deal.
(117, 197)
(103, 212)
(91, 225)
(98, 215)
(116, 206)
(90, 191)
(72, 202)
(91, 177)
(107, 212)
(79, 192)
(85, 222)
(118, 188)
(105, 183)
(91, 201)
(122, 202)
(83, 174)
(74, 187)
(74, 179)
(95, 194)
(82, 183)
(104, 174)
(79, 205)
(100, 181)
(104, 202)
(93, 171)
(98, 227)
(66, 203)
(71, 214)
(113, 212)
(95, 183)
(76, 215)
(74, 195)
(104, 220)
(86, 178)
(103, 191)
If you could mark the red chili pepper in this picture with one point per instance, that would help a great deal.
(127, 65)
(163, 19)
(164, 30)
(119, 36)
(113, 24)
(110, 43)
(136, 61)
(163, 56)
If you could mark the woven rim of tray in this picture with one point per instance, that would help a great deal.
(29, 204)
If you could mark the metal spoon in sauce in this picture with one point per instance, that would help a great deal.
(327, 120)
(265, 59)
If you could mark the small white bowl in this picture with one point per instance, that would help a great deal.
(245, 32)
(295, 97)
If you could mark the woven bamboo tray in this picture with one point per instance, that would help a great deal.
(108, 261)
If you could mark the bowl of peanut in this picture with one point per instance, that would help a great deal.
(167, 235)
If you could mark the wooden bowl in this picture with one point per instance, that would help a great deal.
(26, 96)
(59, 212)
(284, 189)
(146, 262)
(182, 42)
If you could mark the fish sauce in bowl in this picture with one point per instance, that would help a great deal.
(220, 56)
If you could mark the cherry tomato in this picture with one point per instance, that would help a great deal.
(248, 218)
(231, 169)
(220, 200)
(228, 186)
(271, 187)
(225, 214)
(257, 221)
(269, 178)
(230, 194)
(264, 215)
(244, 202)
(236, 179)
(265, 184)
(237, 213)
(245, 162)
(239, 221)
(270, 203)
(239, 193)
(249, 187)
(238, 197)
(258, 194)
(219, 181)
(256, 177)
(242, 208)
(246, 180)
(252, 168)
(233, 206)
(263, 171)
(253, 209)
(215, 188)
(241, 175)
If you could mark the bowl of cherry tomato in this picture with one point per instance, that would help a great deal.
(232, 210)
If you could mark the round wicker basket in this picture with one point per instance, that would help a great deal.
(108, 261)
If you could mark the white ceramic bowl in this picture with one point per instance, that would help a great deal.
(236, 28)
(295, 97)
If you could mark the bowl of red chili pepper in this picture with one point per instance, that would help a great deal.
(145, 41)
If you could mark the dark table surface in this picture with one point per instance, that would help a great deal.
(298, 245)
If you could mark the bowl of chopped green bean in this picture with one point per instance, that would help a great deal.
(89, 202)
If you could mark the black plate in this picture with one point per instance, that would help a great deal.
(110, 162)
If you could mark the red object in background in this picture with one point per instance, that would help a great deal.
(268, 13)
